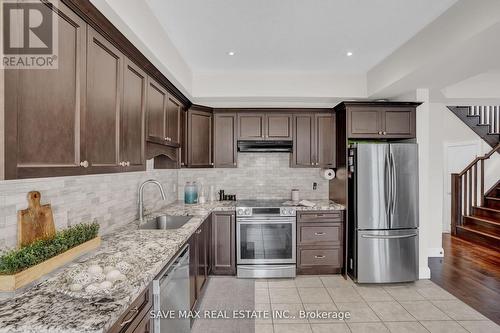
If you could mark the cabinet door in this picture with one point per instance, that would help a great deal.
(156, 105)
(251, 126)
(145, 325)
(399, 122)
(193, 268)
(201, 274)
(104, 88)
(174, 108)
(303, 141)
(225, 151)
(199, 138)
(223, 244)
(325, 140)
(44, 108)
(278, 127)
(364, 123)
(132, 117)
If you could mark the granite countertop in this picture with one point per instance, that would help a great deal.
(51, 307)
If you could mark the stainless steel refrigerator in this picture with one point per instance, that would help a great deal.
(383, 212)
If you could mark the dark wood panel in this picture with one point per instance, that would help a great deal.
(132, 117)
(251, 126)
(320, 234)
(320, 216)
(319, 260)
(364, 123)
(104, 87)
(303, 141)
(44, 109)
(157, 101)
(133, 316)
(174, 108)
(471, 273)
(399, 122)
(225, 148)
(278, 126)
(325, 140)
(199, 138)
(223, 243)
(145, 325)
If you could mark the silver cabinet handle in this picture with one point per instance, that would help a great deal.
(319, 257)
(84, 164)
(121, 164)
(165, 138)
(388, 236)
(127, 163)
(319, 233)
(379, 132)
(198, 231)
(384, 132)
(134, 310)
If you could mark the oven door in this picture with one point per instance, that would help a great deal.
(265, 240)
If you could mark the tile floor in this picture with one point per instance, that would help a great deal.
(414, 307)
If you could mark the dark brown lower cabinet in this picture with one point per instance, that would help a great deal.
(223, 243)
(199, 261)
(136, 319)
(320, 239)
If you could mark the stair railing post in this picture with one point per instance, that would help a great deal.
(456, 202)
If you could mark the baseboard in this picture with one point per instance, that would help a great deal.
(424, 273)
(435, 252)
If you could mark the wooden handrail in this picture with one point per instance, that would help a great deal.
(464, 189)
(479, 158)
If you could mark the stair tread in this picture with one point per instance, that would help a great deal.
(482, 233)
(484, 219)
(492, 198)
(489, 209)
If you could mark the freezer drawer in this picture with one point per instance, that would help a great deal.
(387, 256)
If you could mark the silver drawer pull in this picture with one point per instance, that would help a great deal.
(319, 257)
(134, 310)
(319, 233)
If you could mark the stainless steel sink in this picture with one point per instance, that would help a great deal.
(164, 222)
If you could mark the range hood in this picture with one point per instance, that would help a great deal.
(245, 146)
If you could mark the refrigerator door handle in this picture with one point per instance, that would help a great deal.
(393, 184)
(388, 236)
(388, 185)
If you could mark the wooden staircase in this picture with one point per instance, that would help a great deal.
(483, 120)
(475, 214)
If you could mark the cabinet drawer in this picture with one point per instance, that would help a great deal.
(320, 257)
(135, 313)
(320, 233)
(320, 216)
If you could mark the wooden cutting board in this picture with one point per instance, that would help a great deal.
(36, 222)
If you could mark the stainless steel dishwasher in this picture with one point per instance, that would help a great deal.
(171, 293)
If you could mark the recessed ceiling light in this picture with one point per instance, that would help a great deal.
(349, 53)
(231, 53)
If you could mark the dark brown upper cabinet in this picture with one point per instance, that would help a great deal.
(278, 126)
(264, 126)
(314, 140)
(173, 114)
(104, 88)
(325, 128)
(132, 118)
(303, 141)
(381, 121)
(199, 137)
(251, 126)
(45, 108)
(225, 148)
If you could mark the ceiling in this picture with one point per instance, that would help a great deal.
(291, 36)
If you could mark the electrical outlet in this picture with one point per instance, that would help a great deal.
(315, 186)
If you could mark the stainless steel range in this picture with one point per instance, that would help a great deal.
(265, 239)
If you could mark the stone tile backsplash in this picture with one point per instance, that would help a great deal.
(111, 199)
(259, 176)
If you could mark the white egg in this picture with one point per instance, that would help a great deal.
(75, 287)
(92, 288)
(108, 269)
(113, 275)
(122, 277)
(94, 269)
(106, 284)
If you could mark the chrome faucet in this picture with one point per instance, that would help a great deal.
(141, 196)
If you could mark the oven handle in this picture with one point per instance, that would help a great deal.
(263, 221)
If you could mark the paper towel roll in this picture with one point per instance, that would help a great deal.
(327, 174)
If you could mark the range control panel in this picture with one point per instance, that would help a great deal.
(265, 211)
